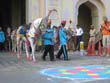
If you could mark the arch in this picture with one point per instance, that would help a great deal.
(93, 5)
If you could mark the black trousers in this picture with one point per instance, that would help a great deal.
(50, 49)
(1, 46)
(64, 51)
(78, 39)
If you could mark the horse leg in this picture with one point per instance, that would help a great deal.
(26, 49)
(27, 53)
(33, 49)
(34, 45)
(30, 58)
(14, 46)
(18, 48)
(21, 43)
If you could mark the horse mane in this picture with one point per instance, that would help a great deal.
(34, 27)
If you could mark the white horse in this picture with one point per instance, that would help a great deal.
(37, 26)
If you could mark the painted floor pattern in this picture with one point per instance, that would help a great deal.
(80, 72)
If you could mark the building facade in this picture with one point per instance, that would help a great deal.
(82, 12)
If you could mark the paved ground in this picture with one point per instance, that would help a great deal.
(24, 71)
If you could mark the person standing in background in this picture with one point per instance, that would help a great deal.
(69, 44)
(79, 34)
(92, 34)
(55, 37)
(2, 39)
(106, 34)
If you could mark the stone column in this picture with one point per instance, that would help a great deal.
(28, 11)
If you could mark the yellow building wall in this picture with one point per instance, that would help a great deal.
(66, 9)
(38, 9)
(34, 9)
(109, 9)
(42, 8)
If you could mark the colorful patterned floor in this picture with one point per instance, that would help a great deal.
(79, 72)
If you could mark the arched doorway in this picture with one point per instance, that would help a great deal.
(94, 10)
(87, 15)
(85, 20)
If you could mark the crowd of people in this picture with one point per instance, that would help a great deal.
(57, 38)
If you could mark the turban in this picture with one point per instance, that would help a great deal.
(63, 22)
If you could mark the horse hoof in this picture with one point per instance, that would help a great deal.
(18, 57)
(30, 59)
(34, 61)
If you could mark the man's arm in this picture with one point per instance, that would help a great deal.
(82, 31)
(106, 27)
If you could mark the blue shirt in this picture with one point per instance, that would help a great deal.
(48, 37)
(28, 27)
(63, 36)
(22, 31)
(2, 37)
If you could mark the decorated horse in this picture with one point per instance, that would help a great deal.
(38, 26)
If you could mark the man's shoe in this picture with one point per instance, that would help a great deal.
(66, 59)
(59, 58)
(52, 60)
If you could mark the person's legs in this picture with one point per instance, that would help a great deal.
(1, 46)
(65, 52)
(73, 43)
(70, 44)
(91, 40)
(51, 52)
(108, 44)
(104, 44)
(78, 40)
(60, 52)
(45, 52)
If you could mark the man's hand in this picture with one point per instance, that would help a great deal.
(109, 28)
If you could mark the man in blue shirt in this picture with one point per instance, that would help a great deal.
(48, 37)
(63, 42)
